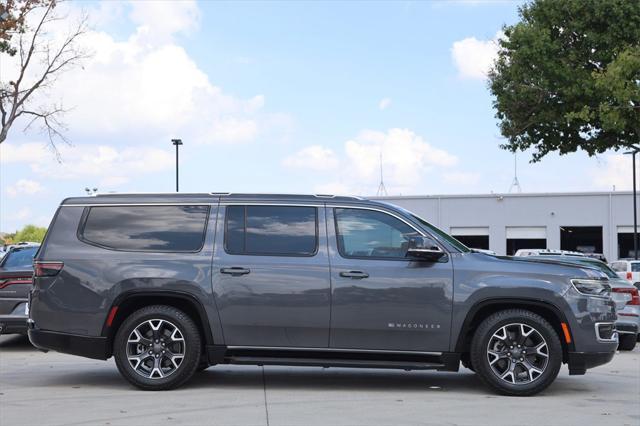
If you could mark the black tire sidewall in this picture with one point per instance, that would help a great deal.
(627, 342)
(193, 347)
(481, 340)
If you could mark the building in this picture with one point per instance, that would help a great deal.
(599, 222)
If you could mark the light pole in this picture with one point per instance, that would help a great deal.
(635, 204)
(177, 143)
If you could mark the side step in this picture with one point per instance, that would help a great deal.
(328, 362)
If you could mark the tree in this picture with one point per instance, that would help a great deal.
(567, 77)
(24, 33)
(30, 233)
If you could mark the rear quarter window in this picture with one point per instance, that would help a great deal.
(145, 228)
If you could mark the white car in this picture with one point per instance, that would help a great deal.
(628, 269)
(547, 252)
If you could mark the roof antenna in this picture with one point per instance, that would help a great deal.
(515, 184)
(382, 191)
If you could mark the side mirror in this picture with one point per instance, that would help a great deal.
(424, 248)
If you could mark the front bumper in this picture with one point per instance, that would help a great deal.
(86, 346)
(580, 362)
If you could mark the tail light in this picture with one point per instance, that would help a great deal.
(629, 276)
(635, 297)
(4, 283)
(46, 269)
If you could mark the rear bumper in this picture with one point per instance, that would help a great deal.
(13, 324)
(580, 362)
(86, 346)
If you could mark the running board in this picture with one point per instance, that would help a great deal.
(447, 361)
(328, 362)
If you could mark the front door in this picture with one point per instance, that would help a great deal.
(380, 299)
(271, 276)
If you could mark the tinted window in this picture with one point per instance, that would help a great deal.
(147, 228)
(271, 230)
(635, 267)
(19, 257)
(368, 233)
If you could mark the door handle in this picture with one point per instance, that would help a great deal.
(356, 275)
(235, 271)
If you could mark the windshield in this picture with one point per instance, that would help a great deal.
(604, 268)
(439, 232)
(19, 257)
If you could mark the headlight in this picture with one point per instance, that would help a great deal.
(590, 287)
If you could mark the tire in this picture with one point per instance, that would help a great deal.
(538, 358)
(626, 342)
(163, 342)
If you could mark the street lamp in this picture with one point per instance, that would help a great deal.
(177, 143)
(635, 202)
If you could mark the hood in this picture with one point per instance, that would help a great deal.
(544, 266)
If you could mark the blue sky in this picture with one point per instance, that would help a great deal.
(282, 97)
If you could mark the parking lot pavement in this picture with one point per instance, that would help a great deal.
(55, 389)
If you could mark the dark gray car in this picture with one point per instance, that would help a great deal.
(170, 284)
(16, 270)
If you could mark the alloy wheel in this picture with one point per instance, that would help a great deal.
(155, 348)
(517, 353)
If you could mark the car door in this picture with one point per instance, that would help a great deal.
(382, 300)
(271, 281)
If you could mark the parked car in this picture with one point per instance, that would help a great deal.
(170, 284)
(628, 269)
(622, 292)
(16, 270)
(546, 252)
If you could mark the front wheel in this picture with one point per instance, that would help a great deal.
(157, 348)
(516, 352)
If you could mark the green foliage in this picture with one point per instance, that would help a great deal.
(30, 233)
(567, 77)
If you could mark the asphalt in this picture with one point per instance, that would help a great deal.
(56, 389)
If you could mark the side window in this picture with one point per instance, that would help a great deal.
(271, 230)
(146, 228)
(371, 234)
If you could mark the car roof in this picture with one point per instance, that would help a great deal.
(126, 198)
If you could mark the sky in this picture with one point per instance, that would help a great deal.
(286, 97)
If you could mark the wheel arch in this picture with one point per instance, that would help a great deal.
(129, 302)
(483, 309)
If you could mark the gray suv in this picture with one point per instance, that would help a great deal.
(171, 284)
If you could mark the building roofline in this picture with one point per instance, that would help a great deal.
(505, 195)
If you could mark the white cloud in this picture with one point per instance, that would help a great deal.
(94, 164)
(159, 20)
(406, 158)
(146, 86)
(24, 187)
(614, 170)
(314, 157)
(473, 58)
(384, 103)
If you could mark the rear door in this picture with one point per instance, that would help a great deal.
(380, 299)
(271, 279)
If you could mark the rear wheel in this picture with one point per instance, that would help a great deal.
(157, 347)
(516, 352)
(626, 342)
